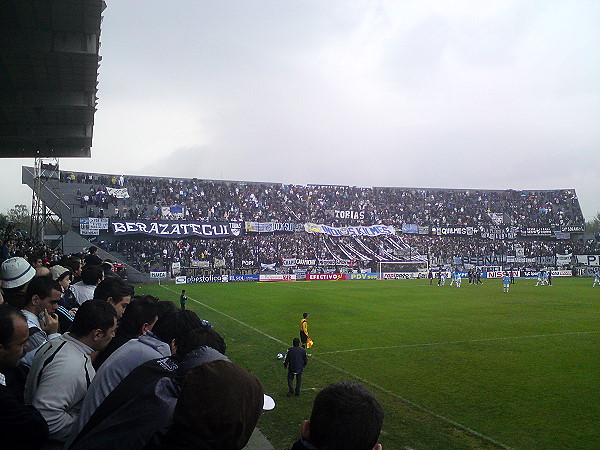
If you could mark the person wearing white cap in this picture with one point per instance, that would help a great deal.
(67, 304)
(16, 273)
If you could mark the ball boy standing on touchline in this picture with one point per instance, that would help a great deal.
(304, 329)
(182, 299)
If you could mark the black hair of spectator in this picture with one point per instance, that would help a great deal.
(107, 268)
(93, 315)
(7, 329)
(175, 325)
(113, 287)
(91, 274)
(70, 263)
(42, 287)
(93, 249)
(296, 342)
(164, 306)
(200, 337)
(345, 416)
(140, 310)
(34, 257)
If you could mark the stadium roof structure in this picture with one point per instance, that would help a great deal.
(48, 77)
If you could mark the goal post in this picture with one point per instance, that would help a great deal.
(408, 269)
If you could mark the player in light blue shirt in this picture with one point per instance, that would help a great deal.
(505, 282)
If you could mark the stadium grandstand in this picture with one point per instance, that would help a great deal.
(193, 227)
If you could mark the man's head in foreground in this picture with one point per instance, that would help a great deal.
(42, 295)
(220, 403)
(94, 324)
(345, 416)
(115, 291)
(16, 273)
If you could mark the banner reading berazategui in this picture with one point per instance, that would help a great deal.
(169, 229)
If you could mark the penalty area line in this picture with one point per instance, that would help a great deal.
(430, 344)
(419, 407)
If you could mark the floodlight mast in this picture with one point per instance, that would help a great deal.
(45, 202)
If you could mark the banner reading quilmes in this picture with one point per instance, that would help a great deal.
(176, 230)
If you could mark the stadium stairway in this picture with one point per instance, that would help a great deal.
(73, 242)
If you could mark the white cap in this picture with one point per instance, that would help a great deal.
(16, 272)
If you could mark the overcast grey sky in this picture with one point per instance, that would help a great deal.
(457, 94)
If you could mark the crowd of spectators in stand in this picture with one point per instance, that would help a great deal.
(206, 200)
(158, 254)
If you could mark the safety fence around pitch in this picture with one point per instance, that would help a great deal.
(228, 277)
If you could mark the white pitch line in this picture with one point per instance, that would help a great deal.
(363, 380)
(421, 408)
(428, 344)
(230, 317)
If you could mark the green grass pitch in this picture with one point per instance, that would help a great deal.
(453, 368)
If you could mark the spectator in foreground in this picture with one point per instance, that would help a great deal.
(91, 276)
(115, 291)
(43, 295)
(139, 317)
(143, 403)
(345, 416)
(16, 273)
(218, 407)
(21, 426)
(127, 357)
(62, 368)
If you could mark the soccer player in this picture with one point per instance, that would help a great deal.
(596, 279)
(540, 278)
(505, 282)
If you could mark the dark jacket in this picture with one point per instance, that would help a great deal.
(177, 438)
(93, 260)
(114, 344)
(21, 426)
(142, 404)
(296, 359)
